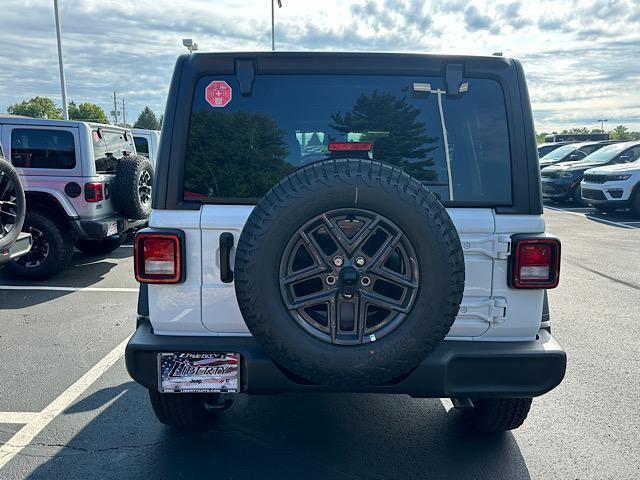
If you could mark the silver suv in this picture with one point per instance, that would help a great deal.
(84, 186)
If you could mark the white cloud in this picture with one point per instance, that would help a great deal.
(580, 57)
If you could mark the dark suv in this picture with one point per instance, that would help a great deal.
(346, 222)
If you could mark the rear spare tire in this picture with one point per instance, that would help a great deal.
(132, 187)
(12, 204)
(349, 272)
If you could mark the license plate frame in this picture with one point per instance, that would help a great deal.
(199, 372)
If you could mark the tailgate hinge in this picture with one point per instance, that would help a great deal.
(494, 246)
(491, 310)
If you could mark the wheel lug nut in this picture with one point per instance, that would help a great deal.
(338, 261)
(366, 281)
(360, 261)
(330, 280)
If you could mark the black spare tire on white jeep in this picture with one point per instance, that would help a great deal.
(349, 272)
(12, 204)
(132, 187)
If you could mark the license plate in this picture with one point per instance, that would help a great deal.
(112, 229)
(199, 372)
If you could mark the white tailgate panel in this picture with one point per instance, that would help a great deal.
(175, 309)
(474, 226)
(220, 311)
(203, 305)
(524, 307)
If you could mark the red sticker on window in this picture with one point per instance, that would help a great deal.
(218, 93)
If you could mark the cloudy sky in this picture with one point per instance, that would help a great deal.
(581, 57)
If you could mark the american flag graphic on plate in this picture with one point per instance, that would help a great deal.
(199, 372)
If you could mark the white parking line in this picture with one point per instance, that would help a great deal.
(26, 434)
(595, 219)
(68, 289)
(17, 417)
(447, 404)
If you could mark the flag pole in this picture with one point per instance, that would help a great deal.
(273, 27)
(63, 83)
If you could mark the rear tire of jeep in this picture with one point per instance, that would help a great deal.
(132, 187)
(102, 246)
(498, 414)
(395, 202)
(184, 410)
(12, 204)
(50, 253)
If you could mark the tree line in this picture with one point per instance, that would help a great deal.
(620, 132)
(44, 107)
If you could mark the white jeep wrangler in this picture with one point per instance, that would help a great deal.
(84, 186)
(346, 222)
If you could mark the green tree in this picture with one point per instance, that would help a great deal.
(87, 112)
(391, 123)
(576, 130)
(37, 107)
(234, 154)
(621, 133)
(147, 119)
(540, 137)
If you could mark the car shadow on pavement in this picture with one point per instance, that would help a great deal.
(321, 436)
(84, 271)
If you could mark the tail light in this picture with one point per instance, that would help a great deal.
(349, 146)
(535, 263)
(93, 192)
(158, 257)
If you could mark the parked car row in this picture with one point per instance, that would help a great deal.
(603, 174)
(84, 185)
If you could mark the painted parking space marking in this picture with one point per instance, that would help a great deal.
(447, 404)
(18, 417)
(39, 421)
(68, 289)
(590, 214)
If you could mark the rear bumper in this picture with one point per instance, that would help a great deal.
(21, 246)
(104, 227)
(454, 369)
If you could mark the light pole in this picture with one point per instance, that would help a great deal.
(273, 27)
(63, 83)
(602, 124)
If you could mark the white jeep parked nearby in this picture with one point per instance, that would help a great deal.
(147, 143)
(84, 186)
(346, 222)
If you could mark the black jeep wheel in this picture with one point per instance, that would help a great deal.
(132, 187)
(349, 272)
(100, 247)
(498, 414)
(50, 252)
(184, 410)
(12, 204)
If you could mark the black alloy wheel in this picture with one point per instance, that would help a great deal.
(349, 276)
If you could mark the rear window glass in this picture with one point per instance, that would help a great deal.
(142, 146)
(240, 146)
(39, 148)
(108, 148)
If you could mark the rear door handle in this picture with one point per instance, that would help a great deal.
(226, 244)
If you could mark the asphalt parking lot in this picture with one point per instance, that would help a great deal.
(69, 410)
